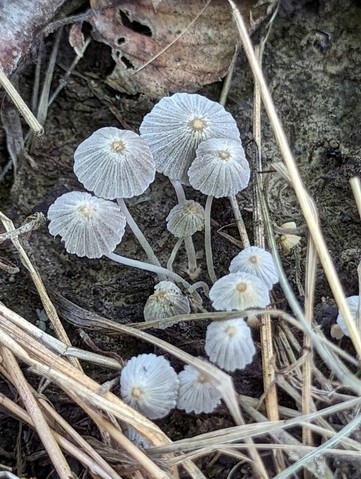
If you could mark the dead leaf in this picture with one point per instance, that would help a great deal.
(76, 38)
(21, 21)
(179, 47)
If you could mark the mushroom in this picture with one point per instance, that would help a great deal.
(92, 227)
(167, 300)
(89, 226)
(220, 169)
(354, 305)
(149, 384)
(183, 221)
(229, 344)
(196, 393)
(117, 164)
(257, 261)
(239, 291)
(177, 125)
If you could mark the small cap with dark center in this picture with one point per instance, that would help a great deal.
(89, 226)
(220, 168)
(185, 219)
(114, 163)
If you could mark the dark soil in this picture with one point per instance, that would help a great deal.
(313, 65)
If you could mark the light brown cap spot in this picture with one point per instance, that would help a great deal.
(87, 211)
(253, 259)
(224, 155)
(197, 124)
(231, 331)
(118, 146)
(137, 392)
(241, 287)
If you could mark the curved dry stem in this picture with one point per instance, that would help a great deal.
(207, 239)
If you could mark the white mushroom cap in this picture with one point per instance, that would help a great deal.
(256, 261)
(239, 291)
(114, 163)
(220, 168)
(167, 300)
(229, 344)
(89, 226)
(149, 384)
(178, 124)
(185, 219)
(353, 302)
(196, 393)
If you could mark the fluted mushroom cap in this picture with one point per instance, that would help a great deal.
(89, 226)
(196, 393)
(220, 168)
(256, 261)
(167, 300)
(185, 219)
(239, 291)
(114, 163)
(178, 124)
(229, 344)
(353, 302)
(149, 384)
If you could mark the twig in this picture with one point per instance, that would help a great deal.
(22, 107)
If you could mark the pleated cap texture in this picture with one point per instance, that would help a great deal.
(89, 226)
(114, 163)
(229, 344)
(238, 291)
(185, 219)
(352, 302)
(196, 393)
(167, 300)
(220, 168)
(149, 384)
(178, 124)
(256, 261)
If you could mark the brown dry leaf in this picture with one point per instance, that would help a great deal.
(21, 21)
(76, 38)
(188, 44)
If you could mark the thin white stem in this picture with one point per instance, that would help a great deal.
(174, 254)
(177, 185)
(148, 267)
(239, 221)
(192, 260)
(137, 233)
(207, 239)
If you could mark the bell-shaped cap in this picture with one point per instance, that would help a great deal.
(166, 301)
(89, 226)
(149, 384)
(353, 303)
(178, 124)
(256, 261)
(114, 163)
(239, 291)
(196, 393)
(220, 168)
(229, 344)
(185, 219)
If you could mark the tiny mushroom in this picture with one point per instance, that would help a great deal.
(114, 163)
(178, 124)
(353, 304)
(117, 164)
(183, 221)
(89, 226)
(167, 300)
(93, 227)
(196, 393)
(239, 291)
(220, 169)
(229, 344)
(149, 384)
(256, 261)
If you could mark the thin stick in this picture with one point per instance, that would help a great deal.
(239, 221)
(22, 107)
(309, 211)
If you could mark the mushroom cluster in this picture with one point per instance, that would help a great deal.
(194, 142)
